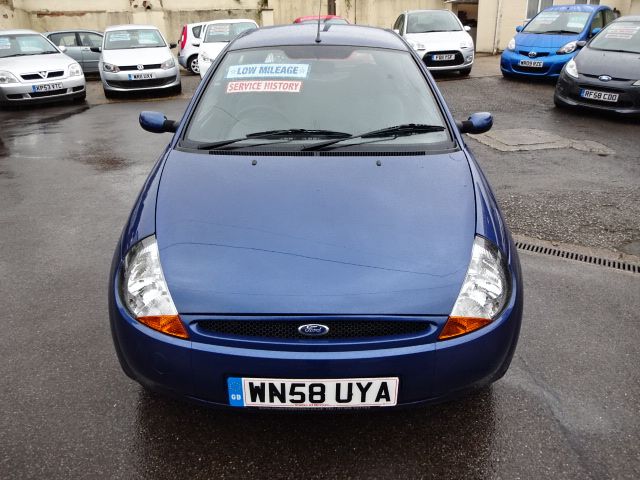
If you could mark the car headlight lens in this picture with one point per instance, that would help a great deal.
(75, 70)
(7, 77)
(568, 48)
(571, 68)
(167, 64)
(466, 44)
(636, 84)
(484, 292)
(512, 44)
(144, 290)
(108, 67)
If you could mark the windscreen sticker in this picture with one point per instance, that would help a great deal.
(547, 17)
(621, 32)
(119, 37)
(288, 86)
(220, 27)
(5, 43)
(278, 70)
(147, 38)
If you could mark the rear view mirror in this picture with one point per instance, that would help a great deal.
(156, 122)
(581, 43)
(467, 28)
(480, 122)
(96, 49)
(595, 31)
(519, 28)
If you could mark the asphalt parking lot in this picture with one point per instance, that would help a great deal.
(567, 408)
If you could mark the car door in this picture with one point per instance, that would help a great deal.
(70, 42)
(90, 59)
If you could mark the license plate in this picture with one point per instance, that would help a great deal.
(47, 87)
(602, 96)
(140, 76)
(531, 63)
(443, 57)
(316, 393)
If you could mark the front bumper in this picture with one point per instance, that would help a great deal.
(123, 81)
(551, 68)
(23, 92)
(463, 59)
(203, 66)
(568, 93)
(197, 369)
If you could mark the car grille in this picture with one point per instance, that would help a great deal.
(612, 78)
(538, 54)
(36, 76)
(133, 84)
(519, 68)
(135, 67)
(50, 93)
(338, 329)
(458, 60)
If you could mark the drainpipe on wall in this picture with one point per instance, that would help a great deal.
(496, 34)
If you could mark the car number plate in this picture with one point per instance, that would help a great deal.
(140, 76)
(602, 96)
(531, 63)
(47, 87)
(313, 393)
(443, 57)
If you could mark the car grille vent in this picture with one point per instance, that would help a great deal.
(36, 76)
(127, 68)
(612, 78)
(538, 54)
(50, 93)
(338, 329)
(315, 154)
(458, 60)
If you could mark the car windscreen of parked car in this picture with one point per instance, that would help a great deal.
(24, 44)
(619, 37)
(125, 39)
(341, 89)
(225, 32)
(433, 21)
(558, 22)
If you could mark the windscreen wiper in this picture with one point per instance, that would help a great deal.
(284, 133)
(404, 130)
(561, 31)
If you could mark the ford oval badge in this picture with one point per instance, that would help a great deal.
(313, 330)
(604, 78)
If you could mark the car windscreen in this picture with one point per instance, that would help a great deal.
(24, 44)
(225, 32)
(349, 90)
(557, 22)
(619, 36)
(134, 38)
(436, 21)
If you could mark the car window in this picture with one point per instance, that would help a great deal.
(609, 16)
(196, 31)
(225, 32)
(396, 26)
(558, 22)
(598, 21)
(618, 36)
(24, 44)
(401, 25)
(352, 90)
(134, 38)
(89, 39)
(432, 21)
(67, 39)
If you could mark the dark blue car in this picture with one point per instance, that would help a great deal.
(316, 235)
(550, 39)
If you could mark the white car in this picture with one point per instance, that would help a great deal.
(188, 46)
(439, 38)
(33, 70)
(216, 36)
(135, 58)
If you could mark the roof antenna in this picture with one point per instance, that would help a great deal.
(319, 12)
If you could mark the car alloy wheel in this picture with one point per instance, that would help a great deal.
(193, 65)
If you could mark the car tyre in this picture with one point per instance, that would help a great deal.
(109, 94)
(80, 98)
(192, 65)
(465, 72)
(558, 103)
(177, 90)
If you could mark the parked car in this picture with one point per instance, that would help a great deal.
(281, 259)
(439, 38)
(544, 45)
(78, 44)
(34, 70)
(605, 75)
(216, 36)
(137, 58)
(324, 20)
(188, 46)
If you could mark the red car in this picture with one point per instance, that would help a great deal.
(323, 19)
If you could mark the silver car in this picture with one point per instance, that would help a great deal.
(78, 45)
(136, 58)
(32, 69)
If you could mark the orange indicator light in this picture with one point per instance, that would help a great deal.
(168, 324)
(457, 326)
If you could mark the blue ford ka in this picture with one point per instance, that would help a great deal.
(316, 235)
(551, 39)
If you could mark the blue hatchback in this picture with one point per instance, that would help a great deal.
(550, 39)
(316, 235)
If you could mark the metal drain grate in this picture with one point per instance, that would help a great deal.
(580, 257)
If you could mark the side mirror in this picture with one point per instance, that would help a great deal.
(96, 49)
(196, 44)
(467, 28)
(173, 45)
(62, 48)
(397, 31)
(478, 123)
(595, 31)
(156, 122)
(581, 43)
(519, 28)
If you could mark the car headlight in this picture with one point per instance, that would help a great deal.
(167, 64)
(636, 84)
(571, 68)
(75, 70)
(108, 67)
(568, 48)
(144, 290)
(512, 44)
(7, 77)
(417, 45)
(484, 292)
(466, 44)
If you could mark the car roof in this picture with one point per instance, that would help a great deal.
(429, 10)
(18, 31)
(305, 34)
(576, 8)
(316, 17)
(130, 27)
(230, 20)
(628, 18)
(79, 30)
